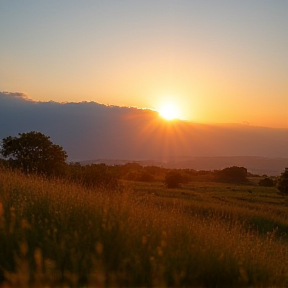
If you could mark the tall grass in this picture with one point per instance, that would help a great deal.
(58, 234)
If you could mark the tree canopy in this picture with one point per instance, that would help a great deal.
(173, 179)
(33, 152)
(232, 174)
(283, 182)
(266, 182)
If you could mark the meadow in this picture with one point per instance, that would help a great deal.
(55, 233)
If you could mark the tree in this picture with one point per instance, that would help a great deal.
(283, 182)
(33, 152)
(266, 182)
(232, 174)
(173, 179)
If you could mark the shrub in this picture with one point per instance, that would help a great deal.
(283, 182)
(266, 182)
(173, 179)
(232, 174)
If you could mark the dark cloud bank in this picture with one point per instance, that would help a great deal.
(88, 130)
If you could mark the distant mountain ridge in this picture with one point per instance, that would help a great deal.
(88, 130)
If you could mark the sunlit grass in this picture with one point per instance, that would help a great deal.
(57, 234)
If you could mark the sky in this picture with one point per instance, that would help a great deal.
(90, 131)
(215, 61)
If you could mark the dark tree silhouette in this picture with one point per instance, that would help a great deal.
(33, 152)
(173, 179)
(232, 174)
(266, 182)
(283, 182)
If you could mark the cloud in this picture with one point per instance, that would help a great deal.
(88, 130)
(17, 98)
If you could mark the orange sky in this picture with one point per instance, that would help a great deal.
(224, 62)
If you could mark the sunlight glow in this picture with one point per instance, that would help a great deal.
(169, 112)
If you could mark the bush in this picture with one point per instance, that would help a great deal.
(266, 182)
(232, 174)
(283, 182)
(173, 179)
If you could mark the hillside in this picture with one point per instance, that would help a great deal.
(58, 234)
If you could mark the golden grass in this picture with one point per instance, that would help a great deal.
(58, 234)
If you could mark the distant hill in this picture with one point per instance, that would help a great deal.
(255, 165)
(89, 130)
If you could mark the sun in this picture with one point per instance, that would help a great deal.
(169, 112)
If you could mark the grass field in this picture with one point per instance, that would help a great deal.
(204, 234)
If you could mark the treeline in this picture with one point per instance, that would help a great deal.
(34, 153)
(110, 176)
